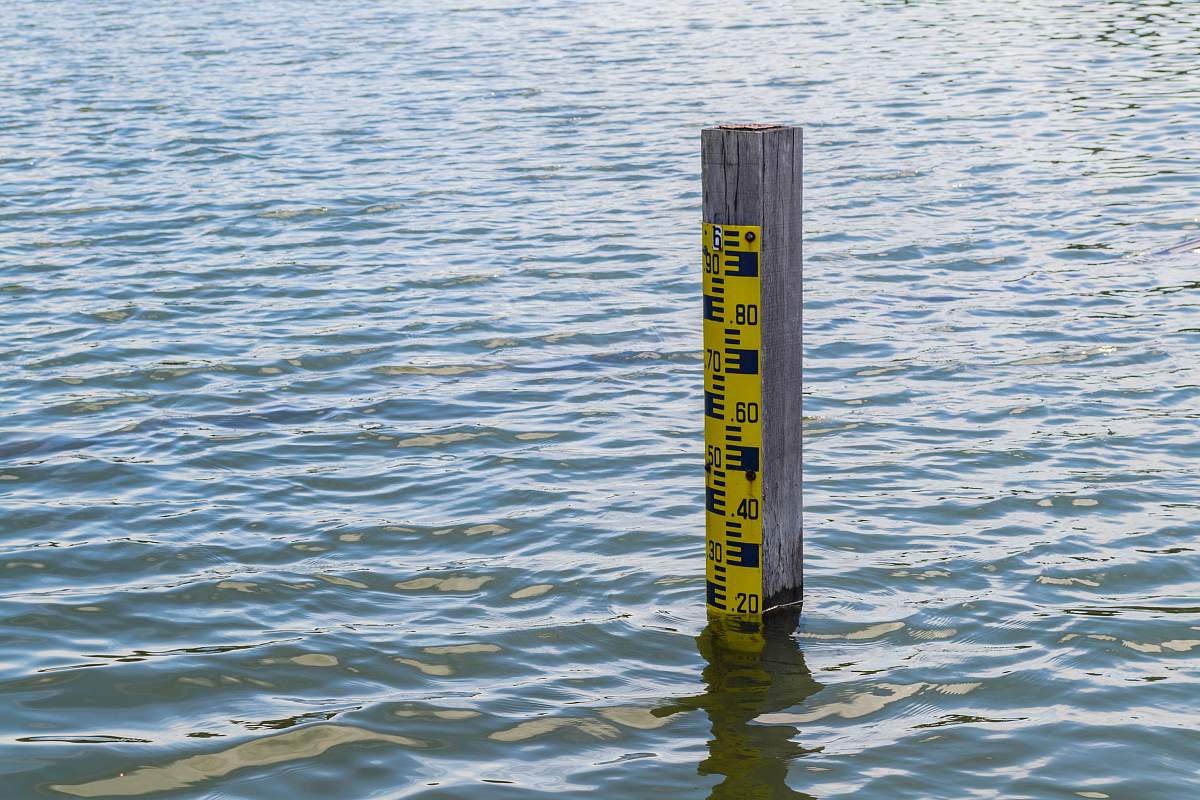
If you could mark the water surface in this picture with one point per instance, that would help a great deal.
(352, 445)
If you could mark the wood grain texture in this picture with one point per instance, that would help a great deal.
(753, 177)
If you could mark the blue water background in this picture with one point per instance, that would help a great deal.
(351, 442)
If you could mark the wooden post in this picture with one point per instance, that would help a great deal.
(752, 368)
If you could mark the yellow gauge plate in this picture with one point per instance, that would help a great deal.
(732, 418)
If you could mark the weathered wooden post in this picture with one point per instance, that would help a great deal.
(752, 366)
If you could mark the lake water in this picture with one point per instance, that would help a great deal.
(351, 441)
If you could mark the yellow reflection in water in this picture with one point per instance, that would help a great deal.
(304, 743)
(754, 667)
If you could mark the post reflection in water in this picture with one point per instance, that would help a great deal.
(754, 667)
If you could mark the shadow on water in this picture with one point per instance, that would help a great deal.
(754, 667)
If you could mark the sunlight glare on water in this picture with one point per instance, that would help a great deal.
(352, 441)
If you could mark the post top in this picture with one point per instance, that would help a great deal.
(749, 126)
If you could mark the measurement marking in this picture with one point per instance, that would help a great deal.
(741, 362)
(744, 459)
(744, 263)
(742, 554)
(714, 404)
(714, 308)
(714, 500)
(733, 499)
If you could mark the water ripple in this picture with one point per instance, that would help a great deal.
(351, 443)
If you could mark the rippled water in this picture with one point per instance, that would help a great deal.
(351, 436)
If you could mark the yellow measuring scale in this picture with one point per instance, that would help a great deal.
(732, 418)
